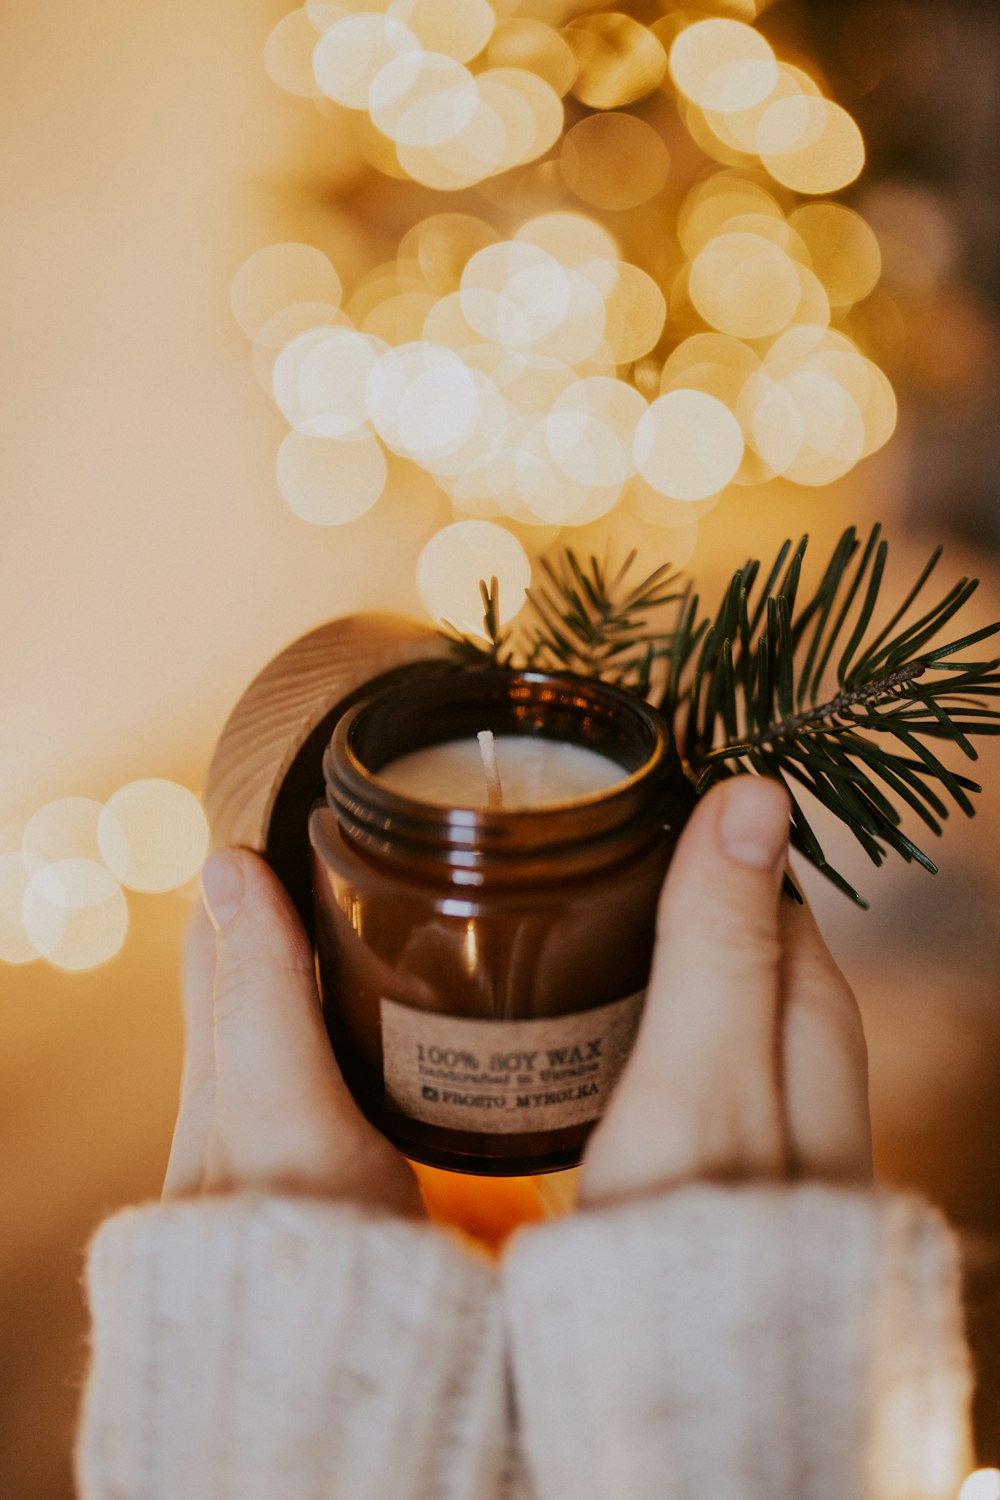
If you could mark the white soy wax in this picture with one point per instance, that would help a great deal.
(533, 772)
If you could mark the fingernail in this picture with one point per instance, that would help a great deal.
(222, 888)
(753, 828)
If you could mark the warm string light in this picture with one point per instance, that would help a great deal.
(539, 374)
(62, 874)
(600, 339)
(983, 1484)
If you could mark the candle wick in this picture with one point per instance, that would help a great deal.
(488, 750)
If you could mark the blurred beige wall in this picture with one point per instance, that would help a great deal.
(148, 565)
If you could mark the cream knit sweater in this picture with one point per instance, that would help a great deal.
(714, 1343)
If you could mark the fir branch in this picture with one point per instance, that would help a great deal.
(895, 692)
(823, 718)
(586, 620)
(495, 650)
(771, 685)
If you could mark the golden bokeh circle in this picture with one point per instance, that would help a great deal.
(75, 913)
(273, 278)
(810, 145)
(153, 834)
(744, 285)
(723, 65)
(843, 248)
(635, 314)
(521, 42)
(351, 53)
(331, 481)
(453, 562)
(688, 445)
(459, 28)
(614, 161)
(618, 60)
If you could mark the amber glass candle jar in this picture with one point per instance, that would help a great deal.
(483, 968)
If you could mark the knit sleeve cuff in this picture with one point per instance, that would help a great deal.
(743, 1342)
(259, 1346)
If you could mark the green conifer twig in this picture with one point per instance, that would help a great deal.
(769, 685)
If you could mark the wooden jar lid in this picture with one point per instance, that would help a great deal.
(266, 771)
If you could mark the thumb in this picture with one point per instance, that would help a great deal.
(283, 1115)
(700, 1094)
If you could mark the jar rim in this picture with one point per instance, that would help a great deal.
(604, 716)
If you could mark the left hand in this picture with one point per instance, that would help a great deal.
(263, 1103)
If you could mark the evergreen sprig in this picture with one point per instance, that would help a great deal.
(470, 650)
(581, 620)
(806, 693)
(589, 621)
(803, 690)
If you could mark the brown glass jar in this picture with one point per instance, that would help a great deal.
(483, 970)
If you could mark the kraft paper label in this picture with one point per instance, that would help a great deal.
(505, 1077)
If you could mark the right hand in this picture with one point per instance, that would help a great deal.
(750, 1061)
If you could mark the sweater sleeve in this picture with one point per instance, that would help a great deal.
(254, 1347)
(745, 1343)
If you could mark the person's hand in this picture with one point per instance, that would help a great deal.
(750, 1060)
(263, 1103)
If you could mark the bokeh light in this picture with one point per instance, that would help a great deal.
(535, 47)
(277, 332)
(578, 243)
(423, 99)
(737, 129)
(62, 871)
(453, 562)
(594, 433)
(330, 481)
(723, 65)
(351, 54)
(288, 55)
(844, 250)
(441, 245)
(458, 28)
(75, 913)
(810, 144)
(982, 1484)
(549, 485)
(477, 350)
(65, 829)
(277, 276)
(320, 379)
(422, 400)
(614, 161)
(712, 204)
(688, 445)
(618, 60)
(153, 834)
(744, 285)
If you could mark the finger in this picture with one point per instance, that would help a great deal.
(700, 1095)
(283, 1115)
(186, 1166)
(825, 1060)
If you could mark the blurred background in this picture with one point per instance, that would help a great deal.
(151, 564)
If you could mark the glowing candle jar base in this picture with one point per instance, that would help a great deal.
(483, 967)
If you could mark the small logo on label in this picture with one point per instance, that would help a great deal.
(429, 1093)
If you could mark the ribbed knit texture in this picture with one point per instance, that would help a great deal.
(257, 1348)
(714, 1343)
(741, 1344)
